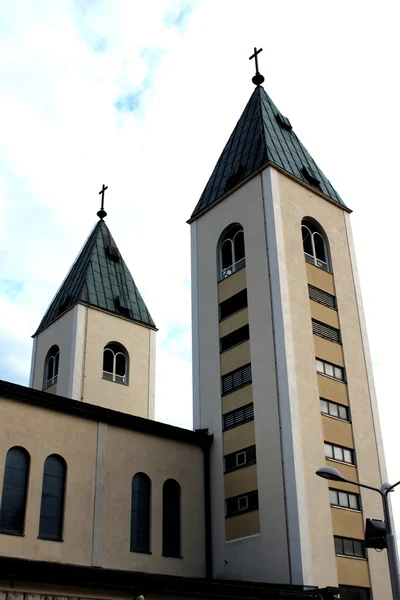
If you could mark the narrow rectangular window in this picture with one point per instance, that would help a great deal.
(233, 339)
(339, 453)
(330, 370)
(232, 305)
(344, 499)
(349, 547)
(236, 379)
(321, 297)
(240, 459)
(241, 504)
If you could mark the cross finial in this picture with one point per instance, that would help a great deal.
(102, 213)
(258, 78)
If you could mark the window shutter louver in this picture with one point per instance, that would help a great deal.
(326, 331)
(322, 297)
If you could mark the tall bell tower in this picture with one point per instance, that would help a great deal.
(281, 367)
(96, 341)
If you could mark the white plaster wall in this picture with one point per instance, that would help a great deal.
(263, 557)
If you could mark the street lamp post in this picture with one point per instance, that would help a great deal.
(335, 475)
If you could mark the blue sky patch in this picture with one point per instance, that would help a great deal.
(11, 289)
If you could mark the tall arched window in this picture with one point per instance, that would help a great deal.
(231, 251)
(15, 485)
(115, 363)
(53, 492)
(51, 367)
(171, 543)
(140, 513)
(314, 244)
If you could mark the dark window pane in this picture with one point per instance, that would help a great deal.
(339, 545)
(171, 519)
(52, 504)
(56, 361)
(359, 549)
(348, 547)
(236, 337)
(13, 500)
(108, 360)
(319, 247)
(226, 254)
(307, 245)
(233, 304)
(120, 363)
(140, 513)
(239, 246)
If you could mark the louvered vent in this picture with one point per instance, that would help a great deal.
(239, 416)
(236, 379)
(325, 331)
(322, 297)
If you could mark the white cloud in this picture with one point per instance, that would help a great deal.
(64, 67)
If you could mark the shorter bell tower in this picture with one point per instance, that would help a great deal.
(96, 341)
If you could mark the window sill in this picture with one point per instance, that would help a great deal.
(242, 512)
(330, 376)
(235, 346)
(172, 556)
(337, 418)
(6, 532)
(49, 539)
(247, 464)
(233, 314)
(354, 510)
(112, 381)
(352, 557)
(140, 551)
(236, 271)
(341, 462)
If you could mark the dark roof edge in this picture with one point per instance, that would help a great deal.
(258, 172)
(67, 575)
(92, 412)
(130, 320)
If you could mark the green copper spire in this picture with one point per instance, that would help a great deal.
(99, 277)
(262, 137)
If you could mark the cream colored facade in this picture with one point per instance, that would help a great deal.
(102, 459)
(297, 524)
(81, 334)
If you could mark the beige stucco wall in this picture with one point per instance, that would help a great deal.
(329, 351)
(337, 432)
(236, 399)
(232, 323)
(235, 357)
(62, 333)
(238, 438)
(42, 432)
(134, 398)
(101, 461)
(296, 203)
(324, 314)
(331, 389)
(160, 460)
(241, 481)
(354, 571)
(243, 526)
(348, 523)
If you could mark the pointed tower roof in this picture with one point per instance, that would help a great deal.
(99, 277)
(262, 136)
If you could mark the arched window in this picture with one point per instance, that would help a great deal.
(140, 513)
(15, 485)
(171, 543)
(231, 251)
(53, 492)
(51, 367)
(314, 244)
(115, 363)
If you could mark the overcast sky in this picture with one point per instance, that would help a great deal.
(142, 96)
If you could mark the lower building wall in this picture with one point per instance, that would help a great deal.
(353, 571)
(21, 591)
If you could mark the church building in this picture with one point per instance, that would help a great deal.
(99, 500)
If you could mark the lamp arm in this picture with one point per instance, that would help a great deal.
(390, 488)
(368, 487)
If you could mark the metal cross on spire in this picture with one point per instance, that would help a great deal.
(258, 78)
(102, 213)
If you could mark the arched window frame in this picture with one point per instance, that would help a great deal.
(51, 366)
(315, 231)
(15, 491)
(116, 349)
(53, 499)
(231, 238)
(171, 524)
(141, 514)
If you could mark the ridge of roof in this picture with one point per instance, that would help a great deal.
(100, 278)
(262, 136)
